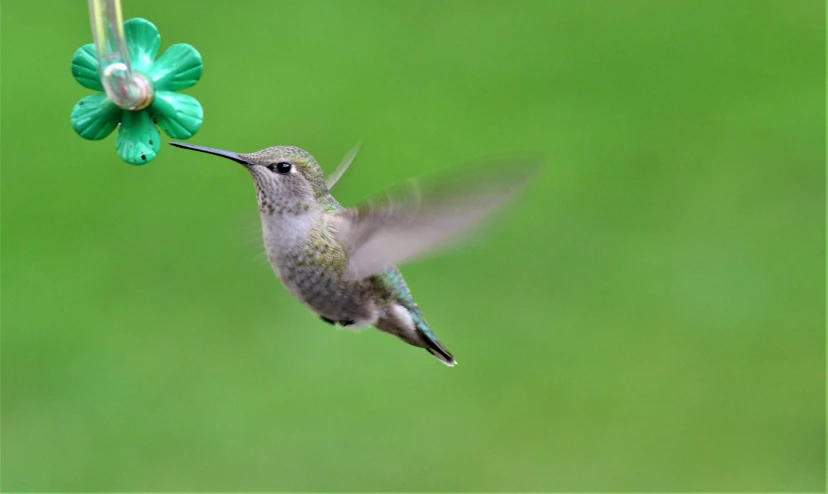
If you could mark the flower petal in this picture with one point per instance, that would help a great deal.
(179, 115)
(85, 67)
(178, 68)
(138, 138)
(143, 43)
(95, 117)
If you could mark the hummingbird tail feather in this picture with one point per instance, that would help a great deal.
(432, 344)
(412, 329)
(438, 350)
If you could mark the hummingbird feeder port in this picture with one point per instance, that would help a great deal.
(139, 95)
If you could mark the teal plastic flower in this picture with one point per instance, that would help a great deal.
(179, 115)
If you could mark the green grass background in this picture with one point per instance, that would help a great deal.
(649, 316)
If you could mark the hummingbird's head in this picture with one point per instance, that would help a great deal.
(287, 178)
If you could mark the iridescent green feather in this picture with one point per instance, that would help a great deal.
(390, 281)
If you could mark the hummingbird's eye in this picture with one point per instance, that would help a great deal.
(282, 168)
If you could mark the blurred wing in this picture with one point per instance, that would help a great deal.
(414, 220)
(346, 162)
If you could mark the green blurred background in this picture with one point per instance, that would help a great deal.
(650, 316)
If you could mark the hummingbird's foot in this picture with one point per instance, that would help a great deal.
(347, 322)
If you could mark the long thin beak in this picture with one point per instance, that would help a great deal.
(218, 152)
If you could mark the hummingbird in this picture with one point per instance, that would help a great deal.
(341, 262)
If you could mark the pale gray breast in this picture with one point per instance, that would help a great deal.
(310, 264)
(320, 286)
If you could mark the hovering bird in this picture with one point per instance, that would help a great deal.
(340, 262)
